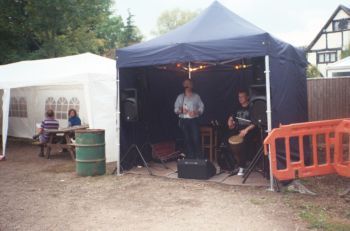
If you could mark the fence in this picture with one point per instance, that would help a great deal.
(322, 147)
(328, 98)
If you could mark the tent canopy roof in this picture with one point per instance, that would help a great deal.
(216, 34)
(214, 23)
(64, 70)
(343, 63)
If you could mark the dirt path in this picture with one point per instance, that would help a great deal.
(41, 194)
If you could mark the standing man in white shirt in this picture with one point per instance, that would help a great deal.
(189, 106)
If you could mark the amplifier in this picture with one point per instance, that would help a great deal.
(195, 169)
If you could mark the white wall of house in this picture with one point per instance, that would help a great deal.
(346, 37)
(341, 14)
(327, 48)
(321, 43)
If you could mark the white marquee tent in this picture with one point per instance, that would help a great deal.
(86, 82)
(340, 68)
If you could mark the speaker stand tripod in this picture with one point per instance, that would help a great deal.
(138, 151)
(259, 155)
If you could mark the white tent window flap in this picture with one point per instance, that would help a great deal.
(50, 103)
(74, 103)
(23, 107)
(13, 107)
(62, 108)
(18, 108)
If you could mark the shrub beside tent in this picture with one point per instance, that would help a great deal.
(86, 82)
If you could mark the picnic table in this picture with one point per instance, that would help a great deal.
(65, 133)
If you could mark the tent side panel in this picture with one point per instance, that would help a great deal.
(289, 104)
(28, 106)
(5, 113)
(104, 115)
(288, 92)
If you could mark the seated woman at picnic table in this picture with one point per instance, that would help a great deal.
(73, 119)
(48, 123)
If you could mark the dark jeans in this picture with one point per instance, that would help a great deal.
(190, 129)
(247, 150)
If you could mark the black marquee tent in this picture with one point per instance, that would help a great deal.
(213, 44)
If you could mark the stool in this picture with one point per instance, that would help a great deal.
(208, 141)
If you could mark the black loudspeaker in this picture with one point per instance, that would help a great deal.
(258, 66)
(257, 111)
(258, 106)
(129, 105)
(257, 90)
(195, 169)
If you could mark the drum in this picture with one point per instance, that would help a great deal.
(235, 140)
(236, 145)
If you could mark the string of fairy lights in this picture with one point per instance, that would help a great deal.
(201, 67)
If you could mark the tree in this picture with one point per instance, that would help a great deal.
(131, 34)
(65, 27)
(111, 33)
(32, 29)
(312, 72)
(172, 19)
(345, 53)
(14, 39)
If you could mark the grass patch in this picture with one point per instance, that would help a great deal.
(317, 218)
(256, 201)
(347, 215)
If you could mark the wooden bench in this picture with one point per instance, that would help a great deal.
(64, 135)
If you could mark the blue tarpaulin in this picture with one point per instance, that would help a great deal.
(216, 34)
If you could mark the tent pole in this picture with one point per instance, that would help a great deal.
(268, 110)
(189, 70)
(5, 120)
(118, 119)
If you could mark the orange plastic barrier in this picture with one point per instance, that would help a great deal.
(342, 160)
(321, 148)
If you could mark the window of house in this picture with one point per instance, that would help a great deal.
(74, 103)
(341, 24)
(50, 103)
(62, 108)
(341, 74)
(320, 58)
(328, 57)
(333, 57)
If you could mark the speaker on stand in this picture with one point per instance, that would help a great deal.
(258, 67)
(129, 105)
(130, 113)
(257, 109)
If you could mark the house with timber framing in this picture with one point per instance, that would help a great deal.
(329, 43)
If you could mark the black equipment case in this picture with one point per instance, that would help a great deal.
(195, 169)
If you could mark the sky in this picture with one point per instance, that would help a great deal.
(294, 21)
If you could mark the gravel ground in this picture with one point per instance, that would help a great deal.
(41, 194)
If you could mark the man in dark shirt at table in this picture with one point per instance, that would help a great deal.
(48, 123)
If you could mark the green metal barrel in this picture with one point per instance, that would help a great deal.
(90, 152)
